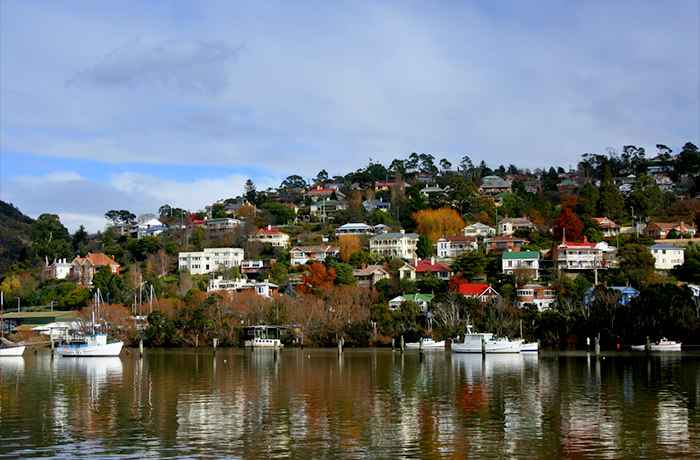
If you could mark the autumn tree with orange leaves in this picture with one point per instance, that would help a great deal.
(349, 245)
(435, 223)
(316, 278)
(568, 223)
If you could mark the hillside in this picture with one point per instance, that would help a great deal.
(15, 237)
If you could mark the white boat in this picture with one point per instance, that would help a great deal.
(427, 344)
(91, 345)
(638, 347)
(262, 336)
(484, 342)
(530, 347)
(7, 348)
(665, 345)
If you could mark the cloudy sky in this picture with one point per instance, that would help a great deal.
(132, 105)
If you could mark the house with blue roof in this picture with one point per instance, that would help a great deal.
(627, 293)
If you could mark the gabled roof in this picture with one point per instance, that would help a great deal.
(604, 222)
(97, 259)
(267, 231)
(368, 270)
(431, 265)
(412, 298)
(315, 248)
(476, 289)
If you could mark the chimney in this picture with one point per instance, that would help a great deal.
(432, 261)
(585, 239)
(627, 284)
(269, 227)
(678, 283)
(364, 265)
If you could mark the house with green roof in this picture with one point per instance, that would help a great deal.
(422, 300)
(516, 260)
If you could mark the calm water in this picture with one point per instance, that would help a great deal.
(367, 404)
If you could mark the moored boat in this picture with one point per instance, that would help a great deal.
(484, 342)
(530, 347)
(665, 345)
(427, 343)
(638, 347)
(7, 348)
(91, 345)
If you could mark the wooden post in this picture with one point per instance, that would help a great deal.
(483, 344)
(215, 342)
(393, 345)
(141, 347)
(647, 346)
(402, 344)
(597, 346)
(420, 346)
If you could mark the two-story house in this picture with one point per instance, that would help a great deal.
(509, 225)
(300, 255)
(449, 247)
(608, 227)
(541, 296)
(83, 269)
(270, 236)
(400, 245)
(505, 243)
(209, 260)
(579, 255)
(667, 256)
(369, 275)
(521, 260)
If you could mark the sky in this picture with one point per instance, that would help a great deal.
(133, 105)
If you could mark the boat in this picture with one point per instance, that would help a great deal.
(529, 347)
(426, 343)
(7, 347)
(91, 345)
(263, 336)
(484, 342)
(665, 345)
(638, 347)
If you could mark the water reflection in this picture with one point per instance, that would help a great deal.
(363, 403)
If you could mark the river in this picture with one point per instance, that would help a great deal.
(366, 403)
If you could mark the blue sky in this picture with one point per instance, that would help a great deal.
(132, 105)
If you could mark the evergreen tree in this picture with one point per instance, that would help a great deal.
(611, 203)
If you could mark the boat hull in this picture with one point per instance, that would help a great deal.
(491, 346)
(427, 345)
(531, 347)
(264, 343)
(665, 347)
(12, 351)
(74, 351)
(638, 347)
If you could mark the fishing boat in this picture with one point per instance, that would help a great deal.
(665, 345)
(91, 345)
(7, 347)
(426, 343)
(529, 347)
(484, 342)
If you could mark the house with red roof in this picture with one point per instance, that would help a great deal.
(504, 243)
(576, 256)
(423, 267)
(480, 291)
(324, 193)
(299, 255)
(83, 268)
(661, 230)
(607, 226)
(270, 236)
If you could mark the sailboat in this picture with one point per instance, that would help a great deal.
(94, 344)
(7, 348)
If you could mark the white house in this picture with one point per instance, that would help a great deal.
(478, 229)
(667, 256)
(353, 228)
(59, 269)
(579, 255)
(271, 236)
(449, 247)
(527, 260)
(263, 288)
(509, 225)
(398, 245)
(152, 227)
(210, 259)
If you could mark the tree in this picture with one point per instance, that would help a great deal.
(470, 264)
(316, 278)
(120, 216)
(435, 223)
(636, 263)
(424, 248)
(51, 238)
(445, 165)
(588, 201)
(568, 225)
(689, 159)
(349, 245)
(250, 193)
(343, 272)
(292, 184)
(611, 203)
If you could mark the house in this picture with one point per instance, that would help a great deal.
(480, 291)
(83, 268)
(449, 247)
(270, 236)
(509, 225)
(661, 230)
(218, 226)
(263, 288)
(256, 266)
(424, 267)
(369, 275)
(324, 194)
(326, 208)
(608, 227)
(667, 256)
(433, 191)
(422, 300)
(59, 269)
(151, 227)
(542, 296)
(500, 244)
(381, 228)
(379, 205)
(300, 255)
(400, 245)
(626, 293)
(521, 260)
(579, 256)
(478, 229)
(209, 260)
(354, 229)
(491, 185)
(407, 272)
(382, 186)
